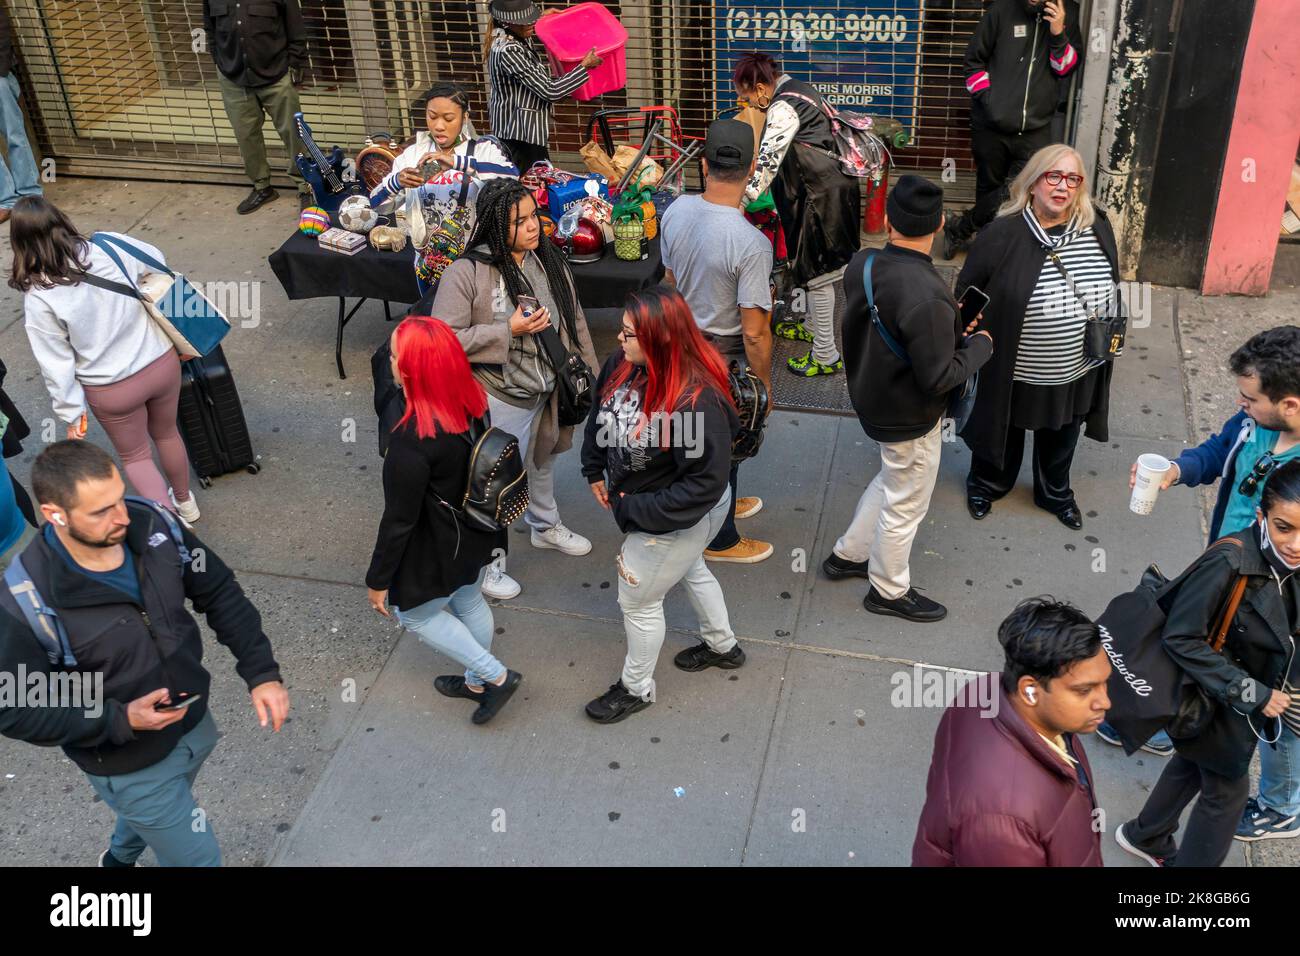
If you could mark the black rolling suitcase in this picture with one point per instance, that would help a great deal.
(211, 419)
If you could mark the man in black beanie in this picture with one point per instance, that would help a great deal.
(900, 376)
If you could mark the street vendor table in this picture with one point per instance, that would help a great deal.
(306, 271)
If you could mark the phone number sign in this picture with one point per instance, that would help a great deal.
(863, 56)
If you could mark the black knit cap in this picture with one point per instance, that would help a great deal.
(515, 12)
(915, 206)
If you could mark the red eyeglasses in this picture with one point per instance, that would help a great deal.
(1054, 177)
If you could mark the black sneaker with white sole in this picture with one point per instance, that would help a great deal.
(615, 704)
(912, 606)
(701, 656)
(107, 859)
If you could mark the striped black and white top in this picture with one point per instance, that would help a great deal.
(1051, 339)
(521, 89)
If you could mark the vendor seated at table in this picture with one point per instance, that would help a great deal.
(446, 141)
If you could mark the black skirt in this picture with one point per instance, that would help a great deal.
(1055, 406)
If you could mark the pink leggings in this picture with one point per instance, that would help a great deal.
(140, 407)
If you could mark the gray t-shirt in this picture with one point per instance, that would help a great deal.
(720, 260)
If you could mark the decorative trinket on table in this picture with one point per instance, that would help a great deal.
(357, 215)
(340, 240)
(313, 221)
(375, 161)
(388, 238)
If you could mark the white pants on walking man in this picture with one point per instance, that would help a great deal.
(891, 509)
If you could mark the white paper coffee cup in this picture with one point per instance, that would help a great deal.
(1151, 472)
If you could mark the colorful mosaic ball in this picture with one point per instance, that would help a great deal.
(313, 221)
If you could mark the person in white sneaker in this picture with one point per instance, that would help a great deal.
(508, 286)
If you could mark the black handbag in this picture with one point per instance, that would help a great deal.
(751, 399)
(1103, 335)
(574, 381)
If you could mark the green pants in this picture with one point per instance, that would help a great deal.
(245, 107)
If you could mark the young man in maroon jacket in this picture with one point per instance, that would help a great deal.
(1010, 785)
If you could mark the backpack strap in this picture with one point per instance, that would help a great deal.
(104, 240)
(44, 621)
(169, 519)
(889, 340)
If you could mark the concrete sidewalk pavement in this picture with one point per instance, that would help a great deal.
(799, 757)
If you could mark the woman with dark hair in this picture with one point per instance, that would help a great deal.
(521, 90)
(1252, 685)
(817, 202)
(426, 562)
(438, 176)
(479, 296)
(1040, 378)
(98, 348)
(657, 453)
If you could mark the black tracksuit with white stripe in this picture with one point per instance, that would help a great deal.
(521, 90)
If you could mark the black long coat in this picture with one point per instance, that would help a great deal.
(1256, 653)
(1005, 261)
(817, 203)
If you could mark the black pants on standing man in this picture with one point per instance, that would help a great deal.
(999, 157)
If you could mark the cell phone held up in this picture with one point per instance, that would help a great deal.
(971, 304)
(177, 704)
(528, 305)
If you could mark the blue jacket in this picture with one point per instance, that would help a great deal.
(1214, 458)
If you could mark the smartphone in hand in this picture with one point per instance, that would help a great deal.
(178, 704)
(971, 303)
(528, 305)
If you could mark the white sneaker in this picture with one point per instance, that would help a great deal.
(189, 510)
(561, 539)
(499, 585)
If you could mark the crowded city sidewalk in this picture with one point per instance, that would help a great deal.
(801, 757)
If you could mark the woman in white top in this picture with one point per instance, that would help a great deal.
(99, 350)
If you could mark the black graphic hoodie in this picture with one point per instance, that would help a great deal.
(652, 488)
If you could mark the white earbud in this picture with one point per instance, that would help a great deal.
(1031, 694)
(58, 519)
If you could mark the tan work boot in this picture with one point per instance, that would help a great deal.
(744, 551)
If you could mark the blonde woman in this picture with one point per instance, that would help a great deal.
(1039, 380)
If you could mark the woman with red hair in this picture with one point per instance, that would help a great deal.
(657, 453)
(428, 563)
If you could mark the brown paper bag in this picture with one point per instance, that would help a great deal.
(756, 119)
(599, 162)
(623, 157)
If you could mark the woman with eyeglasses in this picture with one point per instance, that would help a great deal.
(1250, 686)
(657, 454)
(1040, 378)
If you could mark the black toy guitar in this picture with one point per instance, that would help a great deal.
(324, 173)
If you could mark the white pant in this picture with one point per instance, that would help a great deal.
(648, 567)
(890, 510)
(821, 311)
(542, 514)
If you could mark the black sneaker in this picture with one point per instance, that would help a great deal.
(912, 606)
(108, 860)
(453, 685)
(256, 200)
(495, 696)
(837, 568)
(615, 704)
(701, 656)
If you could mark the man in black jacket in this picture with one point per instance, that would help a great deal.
(260, 48)
(1019, 51)
(900, 394)
(118, 580)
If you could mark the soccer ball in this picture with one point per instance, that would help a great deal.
(355, 214)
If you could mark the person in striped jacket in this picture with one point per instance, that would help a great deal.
(520, 86)
(1014, 60)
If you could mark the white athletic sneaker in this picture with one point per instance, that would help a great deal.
(189, 510)
(499, 585)
(561, 539)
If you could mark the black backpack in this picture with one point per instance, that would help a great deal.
(496, 486)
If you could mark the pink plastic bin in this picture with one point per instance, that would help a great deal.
(569, 34)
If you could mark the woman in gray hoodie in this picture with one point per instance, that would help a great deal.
(479, 297)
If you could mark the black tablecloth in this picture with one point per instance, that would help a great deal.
(307, 271)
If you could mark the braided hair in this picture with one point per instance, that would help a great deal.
(494, 213)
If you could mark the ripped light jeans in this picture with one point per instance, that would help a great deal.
(648, 567)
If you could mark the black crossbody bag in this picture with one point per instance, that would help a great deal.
(1103, 335)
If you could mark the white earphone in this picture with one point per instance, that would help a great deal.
(58, 519)
(1031, 694)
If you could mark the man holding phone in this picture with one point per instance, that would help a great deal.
(900, 387)
(118, 577)
(1019, 51)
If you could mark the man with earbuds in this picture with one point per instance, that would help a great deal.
(1009, 783)
(118, 574)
